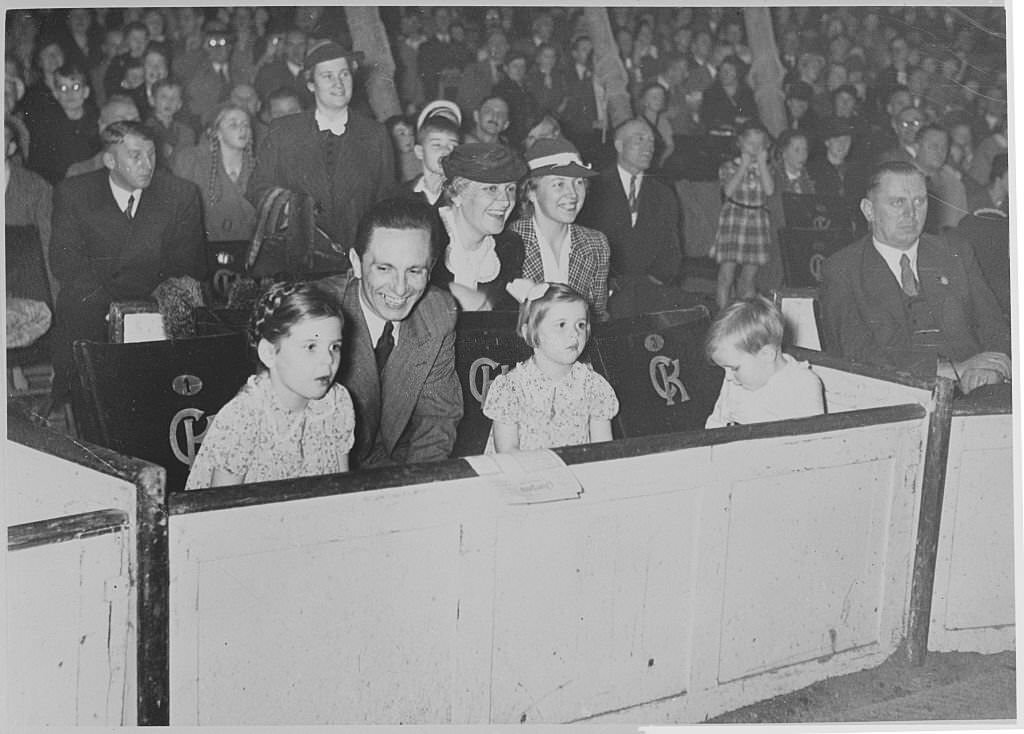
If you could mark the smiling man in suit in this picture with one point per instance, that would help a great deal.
(907, 300)
(640, 216)
(399, 342)
(117, 234)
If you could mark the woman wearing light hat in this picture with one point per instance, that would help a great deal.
(478, 258)
(555, 249)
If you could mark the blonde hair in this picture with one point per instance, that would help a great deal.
(533, 310)
(749, 324)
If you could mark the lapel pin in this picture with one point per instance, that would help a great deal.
(943, 280)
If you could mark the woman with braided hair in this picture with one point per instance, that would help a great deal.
(290, 419)
(221, 165)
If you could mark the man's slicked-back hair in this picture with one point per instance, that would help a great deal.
(902, 168)
(396, 213)
(116, 132)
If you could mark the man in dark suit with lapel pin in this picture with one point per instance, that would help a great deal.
(640, 215)
(398, 360)
(117, 234)
(340, 158)
(907, 300)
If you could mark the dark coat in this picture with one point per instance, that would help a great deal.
(99, 255)
(866, 318)
(292, 156)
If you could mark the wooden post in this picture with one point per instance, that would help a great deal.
(369, 36)
(915, 645)
(766, 71)
(154, 617)
(609, 71)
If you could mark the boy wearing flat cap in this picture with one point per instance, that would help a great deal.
(342, 159)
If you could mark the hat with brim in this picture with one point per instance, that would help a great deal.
(443, 108)
(484, 162)
(548, 157)
(329, 51)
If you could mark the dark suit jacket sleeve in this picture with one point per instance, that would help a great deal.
(431, 430)
(990, 326)
(69, 259)
(264, 176)
(670, 254)
(183, 250)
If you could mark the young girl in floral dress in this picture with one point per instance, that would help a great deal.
(551, 399)
(290, 419)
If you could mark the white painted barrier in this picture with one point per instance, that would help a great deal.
(973, 610)
(71, 597)
(714, 570)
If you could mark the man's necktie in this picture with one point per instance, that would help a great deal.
(632, 194)
(385, 345)
(128, 209)
(907, 279)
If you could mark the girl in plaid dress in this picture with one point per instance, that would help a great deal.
(744, 227)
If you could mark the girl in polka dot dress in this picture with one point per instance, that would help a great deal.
(551, 399)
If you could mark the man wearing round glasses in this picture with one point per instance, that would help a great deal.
(211, 84)
(906, 123)
(68, 134)
(340, 158)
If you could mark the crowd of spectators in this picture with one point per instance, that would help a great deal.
(862, 85)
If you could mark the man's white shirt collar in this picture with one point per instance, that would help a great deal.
(293, 68)
(892, 256)
(121, 197)
(374, 322)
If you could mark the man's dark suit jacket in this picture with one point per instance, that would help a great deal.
(866, 319)
(652, 247)
(99, 255)
(292, 157)
(410, 412)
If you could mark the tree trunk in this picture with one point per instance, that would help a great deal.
(610, 79)
(766, 71)
(369, 36)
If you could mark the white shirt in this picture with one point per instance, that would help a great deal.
(293, 68)
(624, 177)
(421, 187)
(892, 256)
(374, 322)
(337, 127)
(121, 197)
(556, 269)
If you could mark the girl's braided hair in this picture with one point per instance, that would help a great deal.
(284, 304)
(213, 191)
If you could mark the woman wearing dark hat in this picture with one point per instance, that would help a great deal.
(479, 259)
(556, 250)
(729, 102)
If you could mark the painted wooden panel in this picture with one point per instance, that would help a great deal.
(71, 633)
(38, 485)
(845, 391)
(320, 611)
(594, 603)
(454, 603)
(974, 593)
